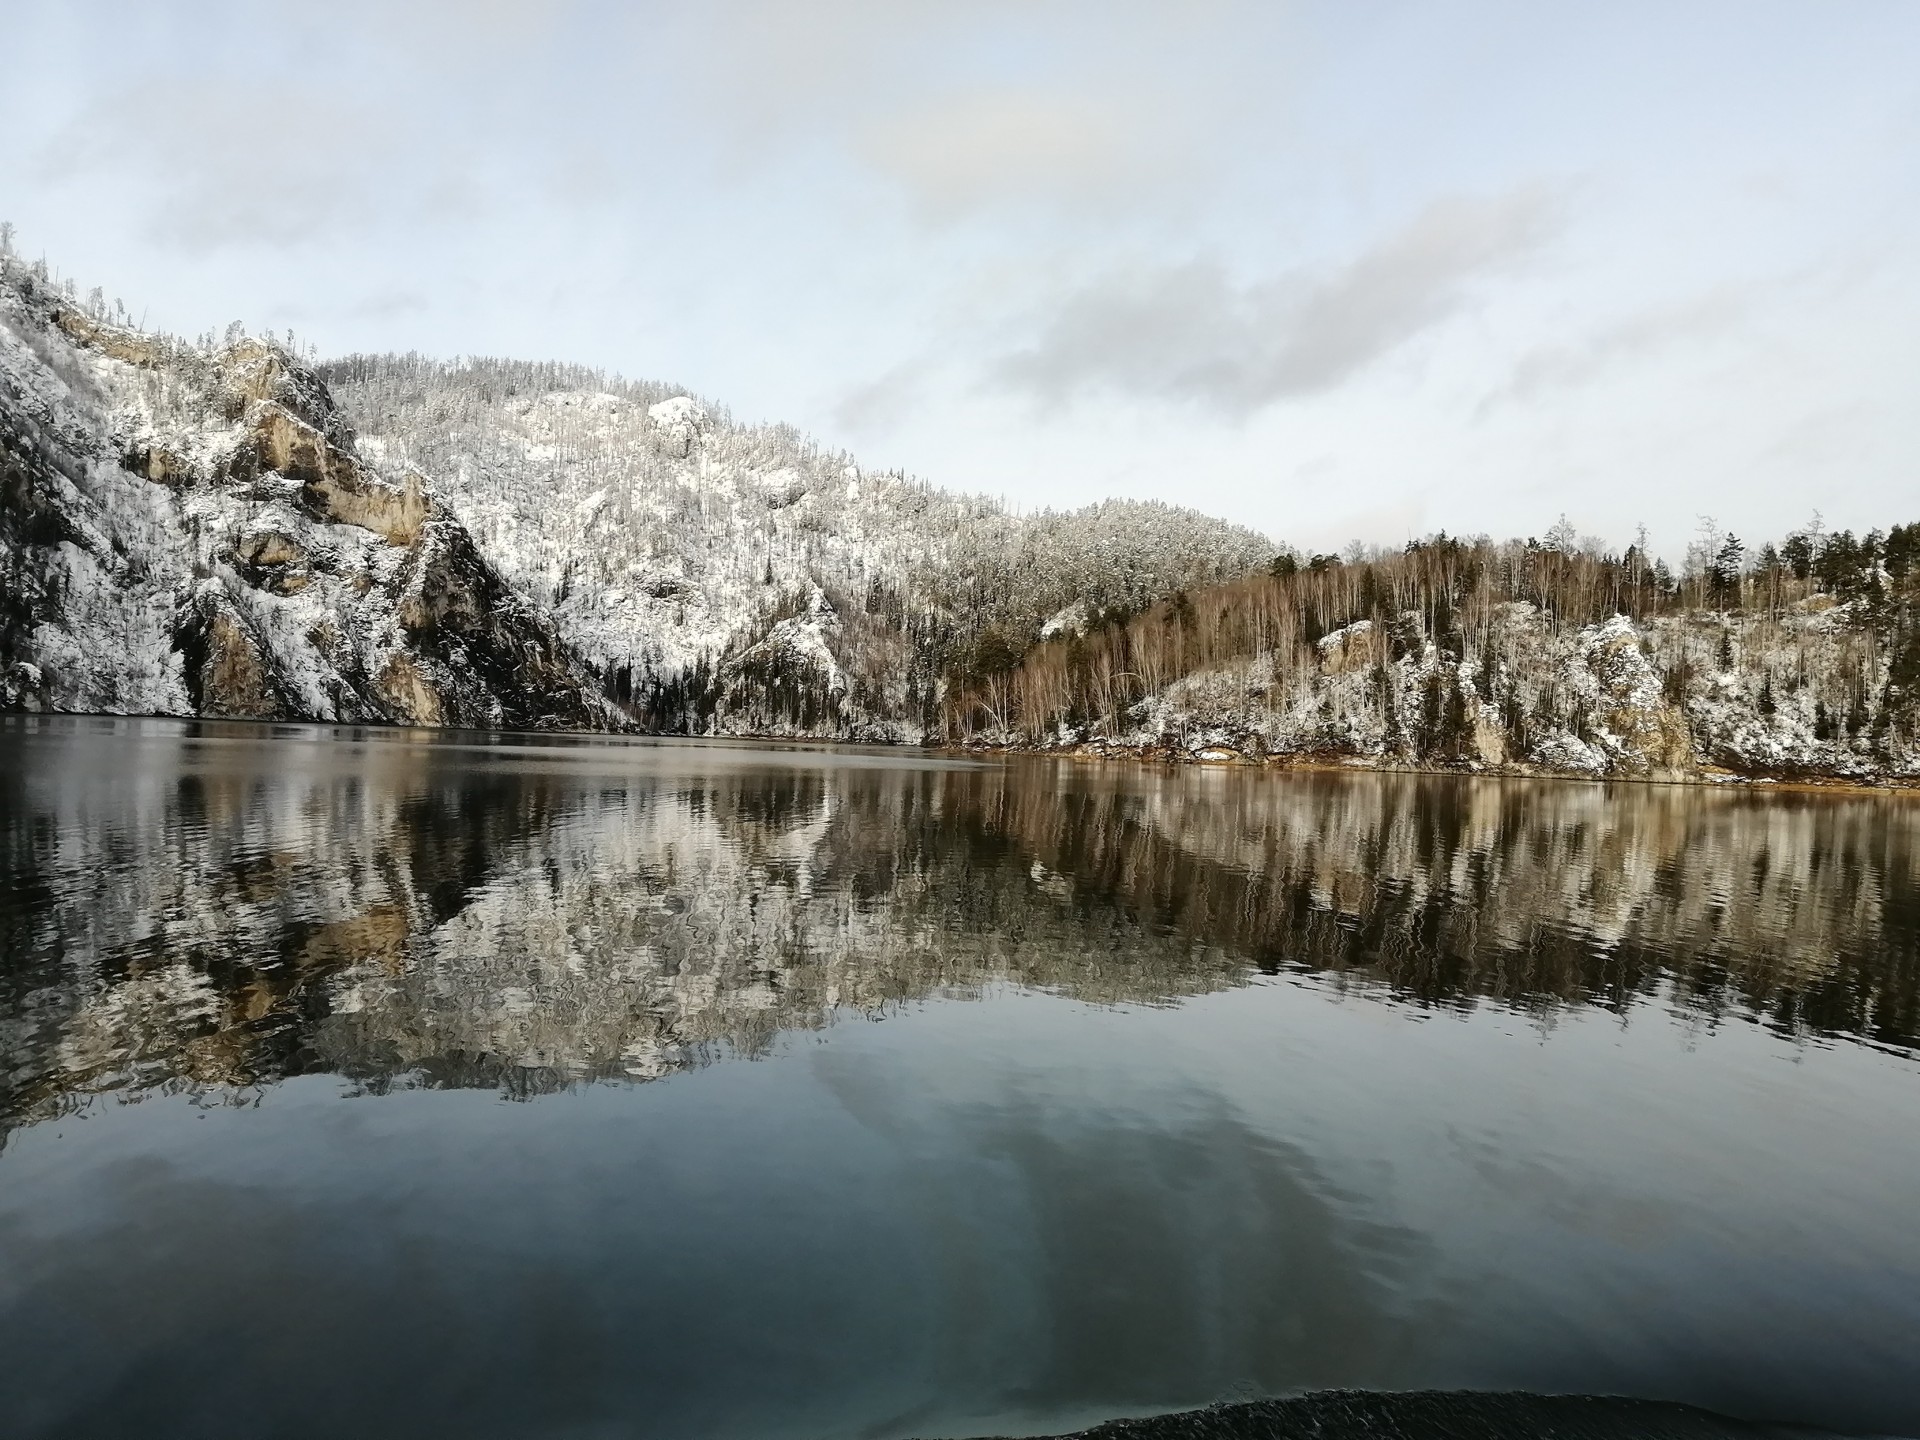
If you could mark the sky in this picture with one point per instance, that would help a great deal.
(1355, 270)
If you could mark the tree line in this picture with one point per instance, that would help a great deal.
(1450, 605)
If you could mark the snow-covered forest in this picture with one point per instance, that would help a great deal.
(1799, 659)
(740, 576)
(221, 527)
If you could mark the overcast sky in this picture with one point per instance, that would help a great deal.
(1350, 270)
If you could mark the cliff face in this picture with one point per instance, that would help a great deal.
(192, 531)
(1645, 701)
(1670, 698)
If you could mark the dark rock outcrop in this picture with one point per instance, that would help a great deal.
(1442, 1415)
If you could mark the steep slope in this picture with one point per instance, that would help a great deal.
(740, 578)
(190, 530)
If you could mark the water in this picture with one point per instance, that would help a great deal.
(371, 1083)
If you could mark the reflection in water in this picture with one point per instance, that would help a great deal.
(207, 905)
(1199, 1140)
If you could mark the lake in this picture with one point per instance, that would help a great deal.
(366, 1082)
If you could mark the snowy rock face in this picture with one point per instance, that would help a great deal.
(193, 531)
(1634, 731)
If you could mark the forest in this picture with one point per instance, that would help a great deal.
(1799, 656)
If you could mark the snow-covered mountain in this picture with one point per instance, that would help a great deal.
(739, 577)
(190, 530)
(215, 528)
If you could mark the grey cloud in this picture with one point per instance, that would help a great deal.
(1190, 333)
(965, 107)
(961, 151)
(881, 404)
(1552, 367)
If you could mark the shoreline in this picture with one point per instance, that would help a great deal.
(1708, 777)
(1164, 756)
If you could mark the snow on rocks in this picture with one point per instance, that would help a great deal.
(681, 420)
(195, 532)
(1351, 647)
(1633, 729)
(1068, 620)
(1678, 697)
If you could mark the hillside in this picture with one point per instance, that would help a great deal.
(189, 529)
(740, 578)
(216, 528)
(1802, 661)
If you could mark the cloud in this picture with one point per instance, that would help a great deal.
(962, 107)
(1552, 367)
(1190, 333)
(379, 305)
(298, 126)
(964, 150)
(880, 405)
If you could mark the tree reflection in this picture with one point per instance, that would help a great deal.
(192, 906)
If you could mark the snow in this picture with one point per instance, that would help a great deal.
(669, 546)
(1339, 639)
(1067, 620)
(1595, 699)
(680, 411)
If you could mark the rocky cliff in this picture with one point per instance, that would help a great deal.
(191, 530)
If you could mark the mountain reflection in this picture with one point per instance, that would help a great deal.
(199, 905)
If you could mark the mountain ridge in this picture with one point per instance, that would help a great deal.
(671, 544)
(218, 528)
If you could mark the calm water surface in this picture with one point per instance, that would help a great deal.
(365, 1083)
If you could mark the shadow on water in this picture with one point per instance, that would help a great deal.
(1150, 1263)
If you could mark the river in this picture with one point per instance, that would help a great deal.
(370, 1082)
